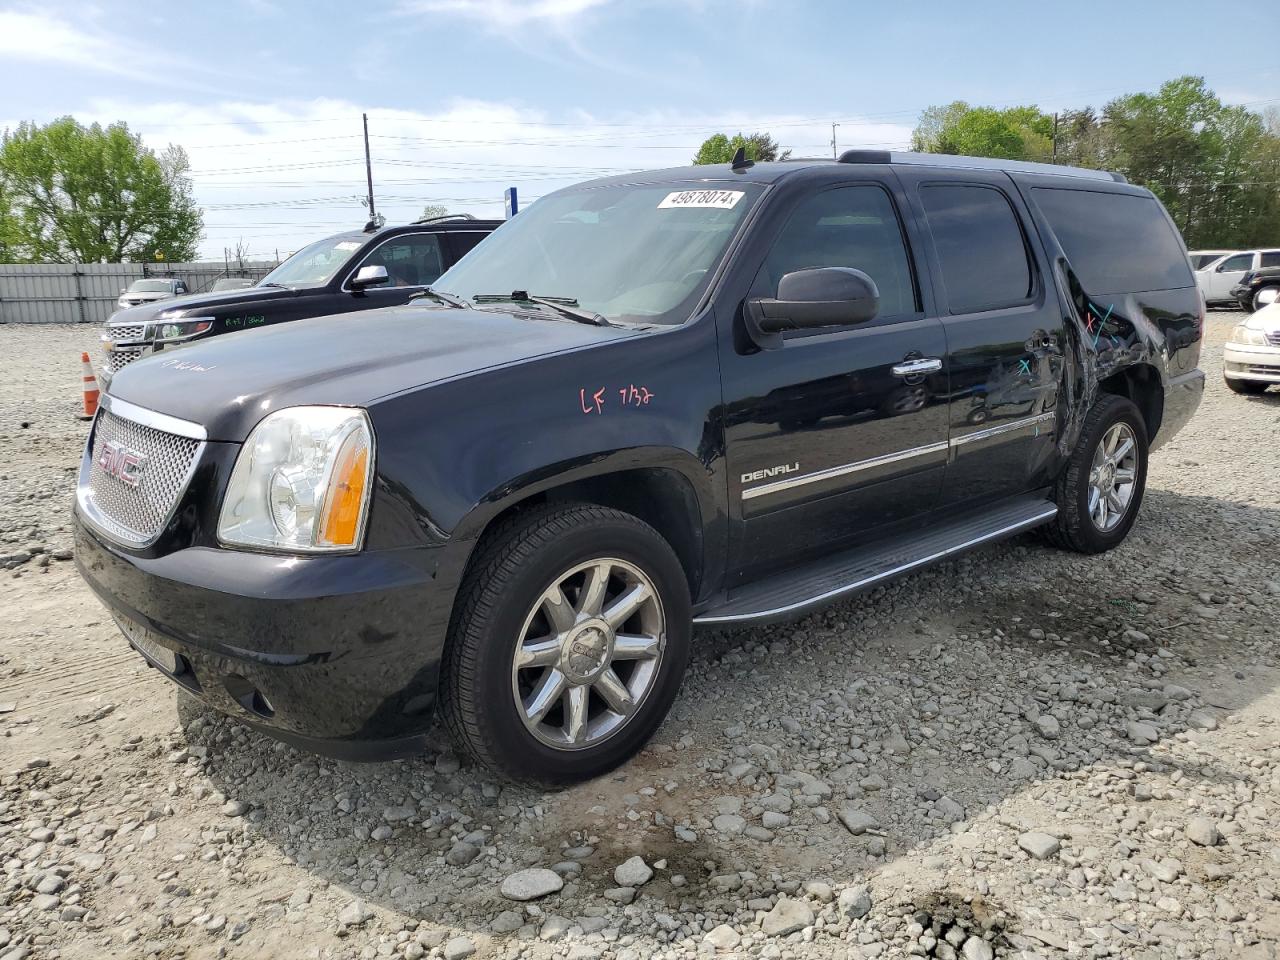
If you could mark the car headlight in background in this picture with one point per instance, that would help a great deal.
(301, 482)
(172, 331)
(1244, 334)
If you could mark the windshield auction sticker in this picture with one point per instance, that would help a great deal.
(713, 199)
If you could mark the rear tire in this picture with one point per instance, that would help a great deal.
(1246, 386)
(567, 646)
(1082, 524)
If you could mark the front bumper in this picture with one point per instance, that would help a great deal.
(336, 654)
(1246, 361)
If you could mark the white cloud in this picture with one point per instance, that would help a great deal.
(34, 36)
(281, 174)
(499, 13)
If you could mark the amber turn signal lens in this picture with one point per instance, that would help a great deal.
(340, 518)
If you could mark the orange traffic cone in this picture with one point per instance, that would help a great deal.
(90, 388)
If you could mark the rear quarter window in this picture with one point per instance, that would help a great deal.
(1116, 242)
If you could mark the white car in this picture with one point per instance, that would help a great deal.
(150, 290)
(1203, 258)
(1217, 279)
(1251, 358)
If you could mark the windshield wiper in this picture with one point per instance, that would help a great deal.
(449, 298)
(565, 306)
(274, 284)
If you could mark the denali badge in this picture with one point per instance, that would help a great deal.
(781, 469)
(122, 463)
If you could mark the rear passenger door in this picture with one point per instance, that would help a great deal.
(1003, 327)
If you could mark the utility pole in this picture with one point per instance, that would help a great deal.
(1055, 137)
(368, 167)
(833, 141)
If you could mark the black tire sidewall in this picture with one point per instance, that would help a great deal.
(510, 743)
(1118, 410)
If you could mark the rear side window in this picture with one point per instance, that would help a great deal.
(980, 247)
(1116, 242)
(1271, 259)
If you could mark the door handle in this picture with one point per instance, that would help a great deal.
(914, 368)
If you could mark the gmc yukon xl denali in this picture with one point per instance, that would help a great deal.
(690, 398)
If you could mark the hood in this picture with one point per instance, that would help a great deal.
(198, 304)
(1267, 319)
(228, 384)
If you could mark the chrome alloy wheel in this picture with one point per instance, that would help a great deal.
(588, 654)
(1112, 477)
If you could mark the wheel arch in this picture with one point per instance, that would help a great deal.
(1140, 383)
(671, 493)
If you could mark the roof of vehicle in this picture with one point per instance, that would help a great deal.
(770, 172)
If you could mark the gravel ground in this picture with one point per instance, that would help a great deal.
(1022, 753)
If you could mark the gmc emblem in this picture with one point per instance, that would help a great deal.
(122, 463)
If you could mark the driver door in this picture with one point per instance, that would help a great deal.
(840, 433)
(413, 262)
(1226, 275)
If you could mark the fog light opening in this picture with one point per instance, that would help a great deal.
(248, 696)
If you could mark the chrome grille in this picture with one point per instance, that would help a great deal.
(1274, 338)
(117, 359)
(136, 515)
(126, 334)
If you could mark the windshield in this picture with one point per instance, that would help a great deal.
(633, 253)
(151, 286)
(314, 265)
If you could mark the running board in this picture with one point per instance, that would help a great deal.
(816, 584)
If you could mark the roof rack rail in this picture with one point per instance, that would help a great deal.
(866, 156)
(445, 216)
(977, 163)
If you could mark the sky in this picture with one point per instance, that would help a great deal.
(467, 97)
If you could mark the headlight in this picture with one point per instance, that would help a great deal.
(1244, 334)
(169, 331)
(301, 482)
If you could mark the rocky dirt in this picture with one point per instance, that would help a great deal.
(1022, 753)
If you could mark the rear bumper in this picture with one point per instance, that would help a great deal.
(338, 655)
(1248, 362)
(1182, 398)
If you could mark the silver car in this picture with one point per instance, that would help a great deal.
(149, 290)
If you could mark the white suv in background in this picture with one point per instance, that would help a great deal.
(1202, 258)
(1251, 358)
(1219, 276)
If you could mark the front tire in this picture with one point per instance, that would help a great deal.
(1100, 491)
(568, 644)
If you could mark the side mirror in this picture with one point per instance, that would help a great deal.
(369, 275)
(816, 297)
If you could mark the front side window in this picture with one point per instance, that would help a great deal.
(634, 253)
(1236, 264)
(315, 264)
(980, 247)
(411, 261)
(854, 226)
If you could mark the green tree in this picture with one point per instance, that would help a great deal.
(96, 194)
(1015, 133)
(434, 210)
(720, 148)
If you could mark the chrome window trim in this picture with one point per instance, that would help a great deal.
(399, 236)
(150, 418)
(778, 486)
(1039, 518)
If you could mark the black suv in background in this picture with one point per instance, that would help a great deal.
(336, 275)
(709, 396)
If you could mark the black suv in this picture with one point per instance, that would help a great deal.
(1258, 288)
(698, 397)
(349, 271)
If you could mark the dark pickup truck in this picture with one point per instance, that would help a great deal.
(340, 274)
(702, 397)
